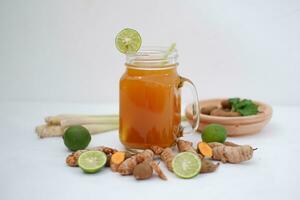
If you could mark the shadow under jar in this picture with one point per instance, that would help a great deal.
(150, 99)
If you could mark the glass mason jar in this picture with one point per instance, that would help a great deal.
(150, 100)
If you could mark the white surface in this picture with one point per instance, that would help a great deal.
(63, 50)
(32, 168)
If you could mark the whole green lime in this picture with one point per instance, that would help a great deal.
(214, 133)
(76, 138)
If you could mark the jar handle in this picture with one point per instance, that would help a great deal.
(195, 108)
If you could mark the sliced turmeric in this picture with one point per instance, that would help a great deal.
(116, 160)
(231, 154)
(207, 166)
(205, 149)
(184, 145)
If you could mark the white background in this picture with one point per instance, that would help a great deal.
(63, 50)
(58, 56)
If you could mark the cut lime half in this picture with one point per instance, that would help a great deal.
(186, 165)
(128, 41)
(92, 161)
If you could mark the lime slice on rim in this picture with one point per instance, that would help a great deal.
(92, 161)
(186, 165)
(128, 41)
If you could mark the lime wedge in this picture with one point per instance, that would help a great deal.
(92, 161)
(186, 165)
(128, 41)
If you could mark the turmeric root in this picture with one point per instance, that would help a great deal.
(127, 166)
(184, 145)
(72, 159)
(157, 150)
(145, 170)
(116, 159)
(166, 155)
(207, 166)
(231, 154)
(157, 170)
(205, 149)
(227, 143)
(214, 144)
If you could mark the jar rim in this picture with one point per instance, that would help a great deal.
(152, 57)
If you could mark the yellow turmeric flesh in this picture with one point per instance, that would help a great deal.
(116, 160)
(205, 149)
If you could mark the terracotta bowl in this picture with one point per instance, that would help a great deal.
(236, 126)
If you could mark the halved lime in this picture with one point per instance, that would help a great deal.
(128, 41)
(186, 165)
(92, 161)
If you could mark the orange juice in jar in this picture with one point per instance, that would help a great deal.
(150, 99)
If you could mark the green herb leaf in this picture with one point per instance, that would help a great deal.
(234, 101)
(246, 107)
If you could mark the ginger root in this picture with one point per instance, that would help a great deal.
(127, 166)
(231, 154)
(166, 155)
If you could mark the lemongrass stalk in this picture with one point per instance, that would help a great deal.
(89, 120)
(69, 120)
(170, 50)
(44, 131)
(167, 53)
(66, 119)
